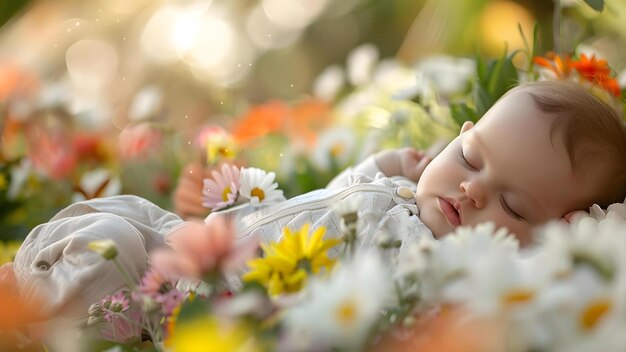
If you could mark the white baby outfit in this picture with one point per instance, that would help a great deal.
(55, 263)
(385, 207)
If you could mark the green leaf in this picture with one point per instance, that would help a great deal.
(193, 309)
(503, 77)
(482, 70)
(531, 48)
(8, 9)
(483, 100)
(461, 113)
(597, 5)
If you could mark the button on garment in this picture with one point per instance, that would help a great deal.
(42, 265)
(405, 192)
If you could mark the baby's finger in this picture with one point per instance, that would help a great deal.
(193, 172)
(421, 166)
(190, 204)
(188, 198)
(413, 153)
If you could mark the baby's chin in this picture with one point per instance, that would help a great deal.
(439, 230)
(431, 216)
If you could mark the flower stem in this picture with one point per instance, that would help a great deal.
(125, 276)
(556, 26)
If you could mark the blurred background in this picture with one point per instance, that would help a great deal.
(100, 97)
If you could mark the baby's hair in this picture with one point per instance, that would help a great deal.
(593, 128)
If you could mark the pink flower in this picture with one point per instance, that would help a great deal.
(169, 266)
(222, 190)
(207, 133)
(52, 154)
(170, 300)
(202, 248)
(138, 141)
(124, 329)
(114, 304)
(153, 282)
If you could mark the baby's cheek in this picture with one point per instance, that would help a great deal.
(520, 230)
(523, 233)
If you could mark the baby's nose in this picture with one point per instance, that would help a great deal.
(474, 192)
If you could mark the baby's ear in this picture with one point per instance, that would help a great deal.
(569, 217)
(467, 125)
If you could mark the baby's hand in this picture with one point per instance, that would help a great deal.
(412, 163)
(408, 162)
(188, 194)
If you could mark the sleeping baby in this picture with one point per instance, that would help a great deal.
(544, 151)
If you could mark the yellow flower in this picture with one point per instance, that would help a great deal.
(8, 250)
(208, 334)
(220, 147)
(106, 248)
(287, 264)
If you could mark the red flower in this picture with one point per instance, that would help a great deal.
(590, 69)
(596, 71)
(139, 141)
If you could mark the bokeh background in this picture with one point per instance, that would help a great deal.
(105, 97)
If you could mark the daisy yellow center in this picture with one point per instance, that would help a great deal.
(223, 151)
(337, 149)
(257, 192)
(225, 194)
(518, 296)
(346, 313)
(592, 314)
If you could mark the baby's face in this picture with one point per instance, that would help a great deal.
(507, 169)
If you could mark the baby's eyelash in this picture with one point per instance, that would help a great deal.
(509, 210)
(465, 161)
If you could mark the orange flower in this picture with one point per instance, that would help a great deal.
(447, 333)
(611, 85)
(596, 71)
(308, 117)
(15, 312)
(590, 69)
(15, 81)
(561, 66)
(260, 120)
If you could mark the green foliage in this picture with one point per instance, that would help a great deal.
(9, 8)
(461, 113)
(530, 49)
(493, 79)
(192, 309)
(9, 229)
(597, 5)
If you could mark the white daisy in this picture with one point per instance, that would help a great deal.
(436, 263)
(361, 62)
(147, 103)
(339, 311)
(335, 147)
(222, 190)
(347, 210)
(259, 187)
(328, 84)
